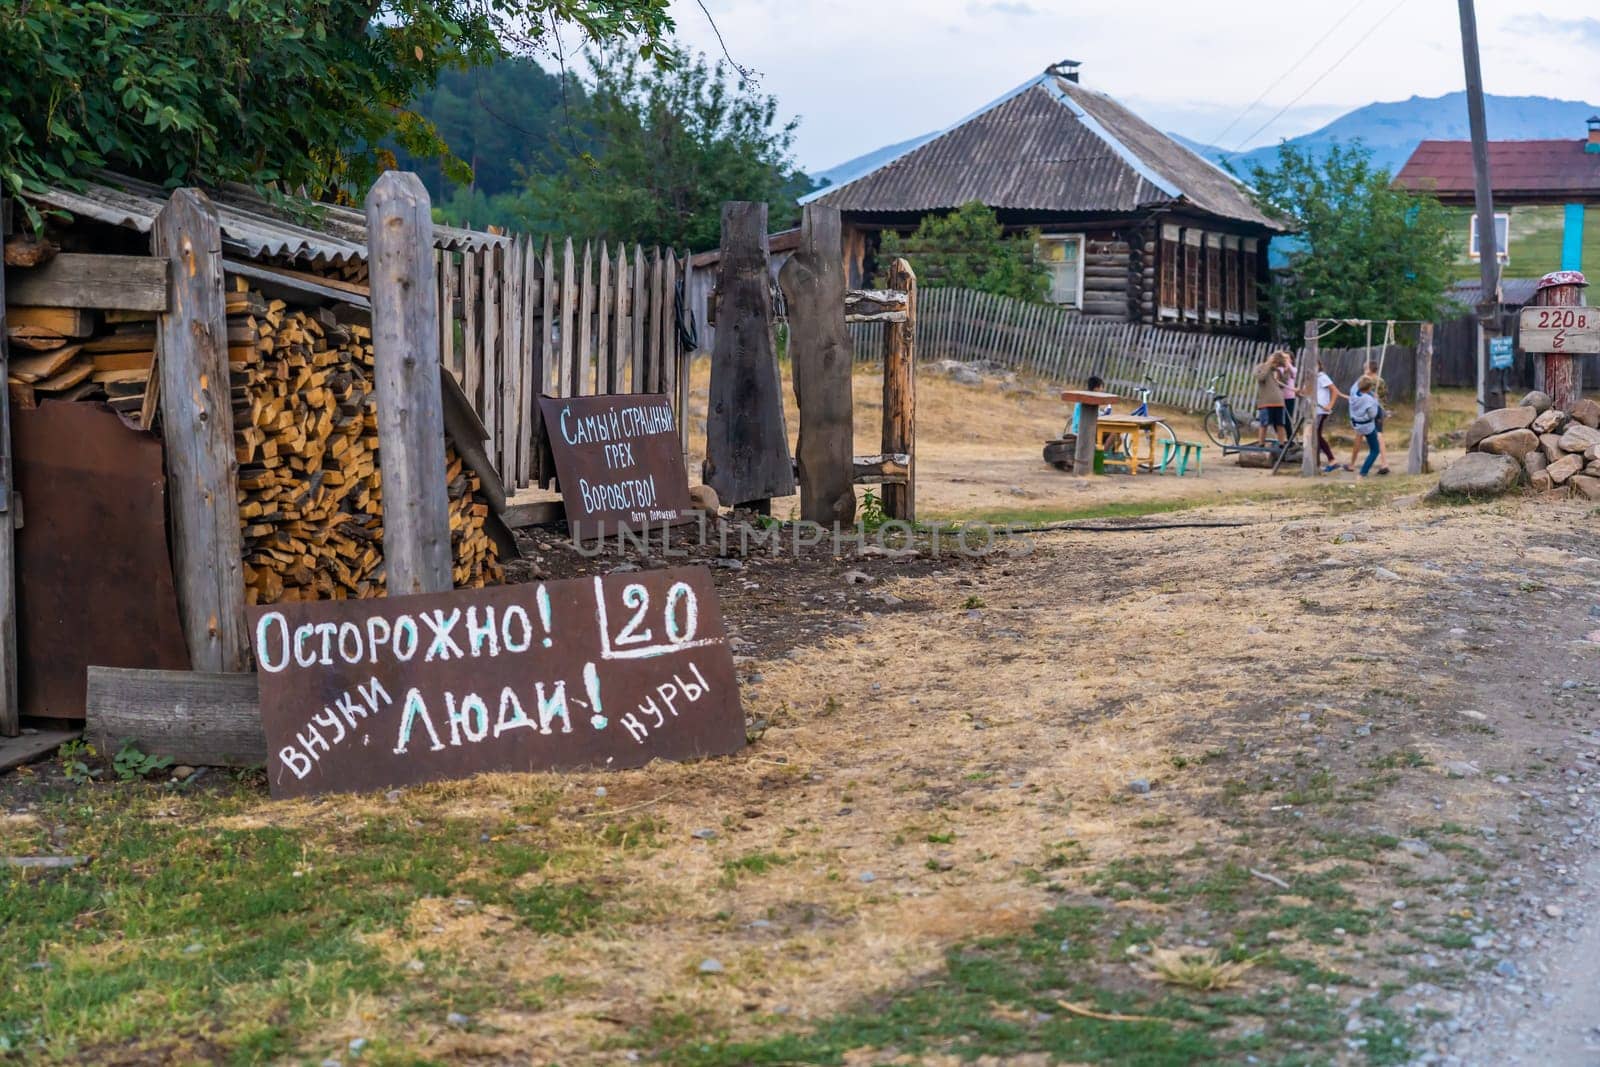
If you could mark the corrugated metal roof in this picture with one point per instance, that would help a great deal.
(1048, 145)
(1517, 168)
(250, 225)
(1514, 292)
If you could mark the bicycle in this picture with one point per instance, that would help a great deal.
(1221, 424)
(1165, 432)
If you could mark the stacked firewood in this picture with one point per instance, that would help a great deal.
(310, 485)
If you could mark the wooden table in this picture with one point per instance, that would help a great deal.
(1135, 425)
(1088, 418)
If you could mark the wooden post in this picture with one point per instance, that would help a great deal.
(1417, 458)
(405, 351)
(747, 444)
(197, 415)
(1561, 382)
(900, 394)
(1088, 430)
(820, 352)
(1304, 389)
(10, 710)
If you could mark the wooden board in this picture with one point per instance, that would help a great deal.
(69, 322)
(618, 462)
(200, 719)
(603, 672)
(1560, 330)
(32, 745)
(77, 280)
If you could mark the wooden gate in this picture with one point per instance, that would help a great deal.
(517, 321)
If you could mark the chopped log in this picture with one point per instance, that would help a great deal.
(900, 396)
(34, 338)
(67, 322)
(747, 445)
(32, 368)
(821, 351)
(204, 720)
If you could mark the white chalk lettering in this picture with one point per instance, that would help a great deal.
(680, 593)
(442, 644)
(635, 728)
(374, 642)
(485, 635)
(350, 642)
(511, 714)
(327, 630)
(372, 691)
(471, 711)
(627, 494)
(327, 717)
(552, 706)
(314, 742)
(406, 626)
(302, 634)
(516, 613)
(415, 709)
(667, 691)
(650, 705)
(349, 709)
(264, 659)
(291, 758)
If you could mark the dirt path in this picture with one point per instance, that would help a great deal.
(1330, 756)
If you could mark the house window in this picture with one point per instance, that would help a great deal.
(1250, 268)
(1191, 275)
(1062, 256)
(1168, 297)
(1231, 279)
(1213, 277)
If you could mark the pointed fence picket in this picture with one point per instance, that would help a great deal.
(531, 318)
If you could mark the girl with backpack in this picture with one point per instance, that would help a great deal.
(1365, 411)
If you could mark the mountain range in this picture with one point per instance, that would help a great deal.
(1391, 129)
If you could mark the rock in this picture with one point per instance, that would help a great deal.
(1506, 969)
(1514, 443)
(392, 795)
(711, 965)
(1586, 485)
(1493, 422)
(182, 772)
(1483, 473)
(1540, 481)
(1552, 421)
(192, 949)
(866, 877)
(728, 563)
(1139, 785)
(1550, 445)
(704, 498)
(358, 1045)
(1564, 468)
(1537, 400)
(856, 577)
(703, 834)
(457, 1019)
(1385, 574)
(1554, 911)
(1416, 846)
(1579, 438)
(1587, 412)
(1534, 462)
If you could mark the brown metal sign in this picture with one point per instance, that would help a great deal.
(605, 672)
(619, 462)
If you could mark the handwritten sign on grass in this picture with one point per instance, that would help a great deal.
(604, 672)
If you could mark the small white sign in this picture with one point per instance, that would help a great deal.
(1574, 331)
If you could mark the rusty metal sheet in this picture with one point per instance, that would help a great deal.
(94, 578)
(619, 462)
(603, 672)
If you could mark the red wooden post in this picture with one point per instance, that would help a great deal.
(1562, 288)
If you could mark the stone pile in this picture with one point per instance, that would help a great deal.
(1534, 441)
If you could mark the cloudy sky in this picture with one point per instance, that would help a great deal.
(863, 75)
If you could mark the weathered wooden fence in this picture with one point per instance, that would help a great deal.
(520, 320)
(1062, 346)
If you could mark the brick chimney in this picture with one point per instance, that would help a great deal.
(1593, 144)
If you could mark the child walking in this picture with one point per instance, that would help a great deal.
(1327, 394)
(1364, 414)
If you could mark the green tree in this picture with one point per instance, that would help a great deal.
(257, 91)
(670, 143)
(1364, 250)
(968, 249)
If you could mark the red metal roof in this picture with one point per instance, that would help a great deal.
(1534, 170)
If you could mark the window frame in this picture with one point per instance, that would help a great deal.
(1082, 241)
(1169, 280)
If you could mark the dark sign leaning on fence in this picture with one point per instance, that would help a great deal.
(604, 672)
(619, 462)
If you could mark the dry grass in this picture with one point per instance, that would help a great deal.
(1198, 968)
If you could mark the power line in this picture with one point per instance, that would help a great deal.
(1217, 140)
(1336, 63)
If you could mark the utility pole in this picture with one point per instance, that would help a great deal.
(1488, 244)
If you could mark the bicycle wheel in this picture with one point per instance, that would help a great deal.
(1223, 436)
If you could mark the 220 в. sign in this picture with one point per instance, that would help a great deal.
(595, 672)
(1574, 330)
